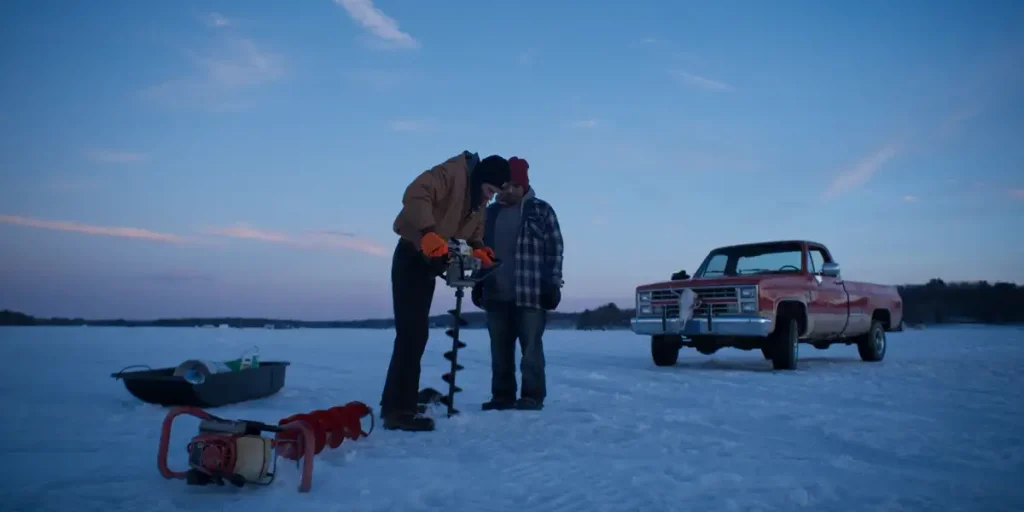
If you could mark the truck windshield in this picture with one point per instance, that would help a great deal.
(753, 259)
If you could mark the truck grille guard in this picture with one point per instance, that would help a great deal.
(729, 309)
(710, 301)
(675, 309)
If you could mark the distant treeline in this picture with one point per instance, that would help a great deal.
(936, 302)
(475, 320)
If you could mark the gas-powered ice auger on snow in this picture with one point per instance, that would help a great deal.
(235, 451)
(463, 270)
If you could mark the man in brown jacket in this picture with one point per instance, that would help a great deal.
(441, 203)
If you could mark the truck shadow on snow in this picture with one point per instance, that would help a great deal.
(730, 361)
(758, 365)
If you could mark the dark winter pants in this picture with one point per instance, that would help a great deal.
(506, 322)
(412, 291)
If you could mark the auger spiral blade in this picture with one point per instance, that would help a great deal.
(449, 378)
(458, 367)
(447, 403)
(455, 346)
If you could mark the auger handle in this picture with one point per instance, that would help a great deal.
(308, 445)
(165, 438)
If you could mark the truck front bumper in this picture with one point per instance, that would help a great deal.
(746, 326)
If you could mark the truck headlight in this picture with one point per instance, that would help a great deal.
(646, 310)
(643, 297)
(748, 292)
(748, 307)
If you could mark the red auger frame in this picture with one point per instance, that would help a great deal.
(236, 452)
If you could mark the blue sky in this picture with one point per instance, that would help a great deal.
(206, 158)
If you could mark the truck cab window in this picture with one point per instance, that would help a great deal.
(783, 261)
(716, 265)
(817, 260)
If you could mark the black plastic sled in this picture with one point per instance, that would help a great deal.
(160, 386)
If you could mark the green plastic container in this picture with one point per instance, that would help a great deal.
(246, 361)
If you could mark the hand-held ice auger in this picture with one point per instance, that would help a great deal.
(462, 270)
(235, 451)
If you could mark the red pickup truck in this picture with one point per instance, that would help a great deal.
(771, 296)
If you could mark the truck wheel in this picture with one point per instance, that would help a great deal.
(785, 345)
(872, 345)
(665, 350)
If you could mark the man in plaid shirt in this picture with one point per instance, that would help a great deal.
(524, 233)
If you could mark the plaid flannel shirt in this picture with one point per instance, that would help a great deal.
(539, 248)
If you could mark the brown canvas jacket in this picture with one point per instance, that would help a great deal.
(438, 198)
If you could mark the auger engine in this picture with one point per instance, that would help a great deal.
(236, 452)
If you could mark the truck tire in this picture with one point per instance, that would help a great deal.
(785, 345)
(665, 350)
(872, 345)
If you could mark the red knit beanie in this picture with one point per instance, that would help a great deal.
(517, 171)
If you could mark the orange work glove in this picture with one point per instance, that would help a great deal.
(433, 245)
(485, 255)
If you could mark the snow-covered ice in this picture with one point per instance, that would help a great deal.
(936, 426)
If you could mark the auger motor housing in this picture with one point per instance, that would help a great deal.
(235, 451)
(230, 451)
(462, 265)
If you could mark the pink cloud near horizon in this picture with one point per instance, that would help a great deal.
(92, 229)
(309, 239)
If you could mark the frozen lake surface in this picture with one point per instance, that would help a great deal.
(936, 426)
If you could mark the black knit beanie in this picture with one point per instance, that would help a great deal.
(493, 170)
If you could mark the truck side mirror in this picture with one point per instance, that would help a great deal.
(830, 269)
(680, 276)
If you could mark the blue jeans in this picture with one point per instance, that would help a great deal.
(506, 323)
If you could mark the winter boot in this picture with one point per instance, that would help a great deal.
(408, 421)
(529, 404)
(498, 404)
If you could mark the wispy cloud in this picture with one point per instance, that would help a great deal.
(216, 20)
(91, 229)
(584, 123)
(860, 173)
(106, 156)
(953, 122)
(220, 75)
(379, 24)
(347, 240)
(309, 239)
(996, 78)
(910, 199)
(702, 82)
(1017, 193)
